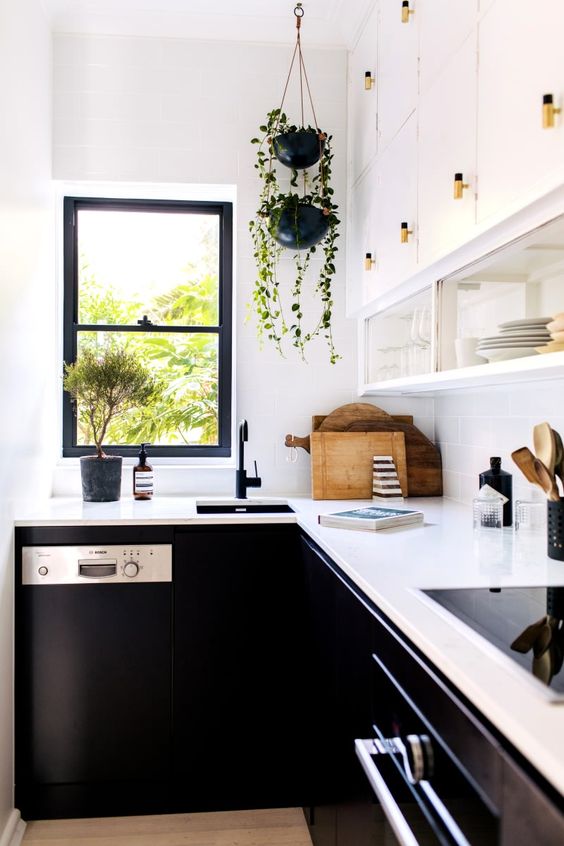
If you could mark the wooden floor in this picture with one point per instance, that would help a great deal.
(278, 827)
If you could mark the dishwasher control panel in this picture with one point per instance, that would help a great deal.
(100, 564)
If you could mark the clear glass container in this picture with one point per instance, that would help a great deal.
(487, 512)
(530, 516)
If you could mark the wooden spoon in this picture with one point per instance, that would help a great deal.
(525, 461)
(547, 481)
(559, 456)
(544, 445)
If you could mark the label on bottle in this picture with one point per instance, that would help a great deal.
(143, 481)
(487, 492)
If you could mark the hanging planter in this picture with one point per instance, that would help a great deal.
(301, 226)
(300, 149)
(302, 218)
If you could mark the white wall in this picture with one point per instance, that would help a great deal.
(158, 110)
(27, 310)
(472, 426)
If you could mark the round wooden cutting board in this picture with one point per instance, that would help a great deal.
(346, 415)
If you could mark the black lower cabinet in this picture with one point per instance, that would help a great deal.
(341, 638)
(261, 677)
(398, 755)
(239, 664)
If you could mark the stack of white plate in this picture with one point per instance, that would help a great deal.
(516, 338)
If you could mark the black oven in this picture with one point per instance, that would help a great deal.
(424, 791)
(437, 773)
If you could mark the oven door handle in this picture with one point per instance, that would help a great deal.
(365, 749)
(399, 824)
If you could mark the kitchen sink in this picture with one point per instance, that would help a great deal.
(243, 506)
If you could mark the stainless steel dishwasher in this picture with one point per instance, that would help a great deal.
(93, 679)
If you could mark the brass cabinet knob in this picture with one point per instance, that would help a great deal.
(548, 111)
(369, 262)
(368, 81)
(405, 232)
(459, 186)
(406, 11)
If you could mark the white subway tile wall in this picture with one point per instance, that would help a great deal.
(471, 427)
(159, 110)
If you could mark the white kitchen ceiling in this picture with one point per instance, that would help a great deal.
(326, 22)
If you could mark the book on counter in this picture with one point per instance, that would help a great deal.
(371, 518)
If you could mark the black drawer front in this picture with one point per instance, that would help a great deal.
(468, 742)
(395, 722)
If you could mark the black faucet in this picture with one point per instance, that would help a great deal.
(242, 481)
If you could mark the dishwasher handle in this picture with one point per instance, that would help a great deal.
(98, 569)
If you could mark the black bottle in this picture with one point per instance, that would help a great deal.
(502, 482)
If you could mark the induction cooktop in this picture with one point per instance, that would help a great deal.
(524, 623)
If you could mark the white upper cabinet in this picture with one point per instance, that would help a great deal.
(397, 79)
(447, 146)
(444, 25)
(521, 60)
(362, 254)
(363, 98)
(396, 209)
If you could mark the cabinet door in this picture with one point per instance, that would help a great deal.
(396, 203)
(93, 694)
(443, 28)
(447, 145)
(363, 101)
(520, 48)
(397, 69)
(238, 681)
(362, 281)
(341, 641)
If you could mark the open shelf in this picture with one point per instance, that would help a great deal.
(529, 369)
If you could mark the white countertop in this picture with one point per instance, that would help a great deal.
(389, 566)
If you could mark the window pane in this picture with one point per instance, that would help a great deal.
(187, 412)
(162, 264)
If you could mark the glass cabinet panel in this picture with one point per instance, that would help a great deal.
(498, 308)
(507, 305)
(401, 340)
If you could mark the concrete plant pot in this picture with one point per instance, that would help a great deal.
(101, 478)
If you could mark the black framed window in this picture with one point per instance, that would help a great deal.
(154, 276)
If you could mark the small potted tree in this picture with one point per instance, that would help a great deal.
(104, 385)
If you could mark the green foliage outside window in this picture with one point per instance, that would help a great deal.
(186, 364)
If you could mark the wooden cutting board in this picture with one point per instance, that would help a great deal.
(341, 462)
(341, 417)
(424, 469)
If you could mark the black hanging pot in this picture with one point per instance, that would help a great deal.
(301, 227)
(298, 150)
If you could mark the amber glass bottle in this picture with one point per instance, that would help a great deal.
(143, 479)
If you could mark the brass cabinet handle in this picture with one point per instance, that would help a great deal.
(405, 232)
(459, 186)
(548, 111)
(369, 262)
(369, 81)
(406, 11)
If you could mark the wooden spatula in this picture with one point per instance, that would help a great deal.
(525, 461)
(544, 445)
(547, 481)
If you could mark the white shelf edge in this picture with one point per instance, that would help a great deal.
(528, 369)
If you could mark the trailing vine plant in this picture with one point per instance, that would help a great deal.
(275, 316)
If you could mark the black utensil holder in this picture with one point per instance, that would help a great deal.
(555, 529)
